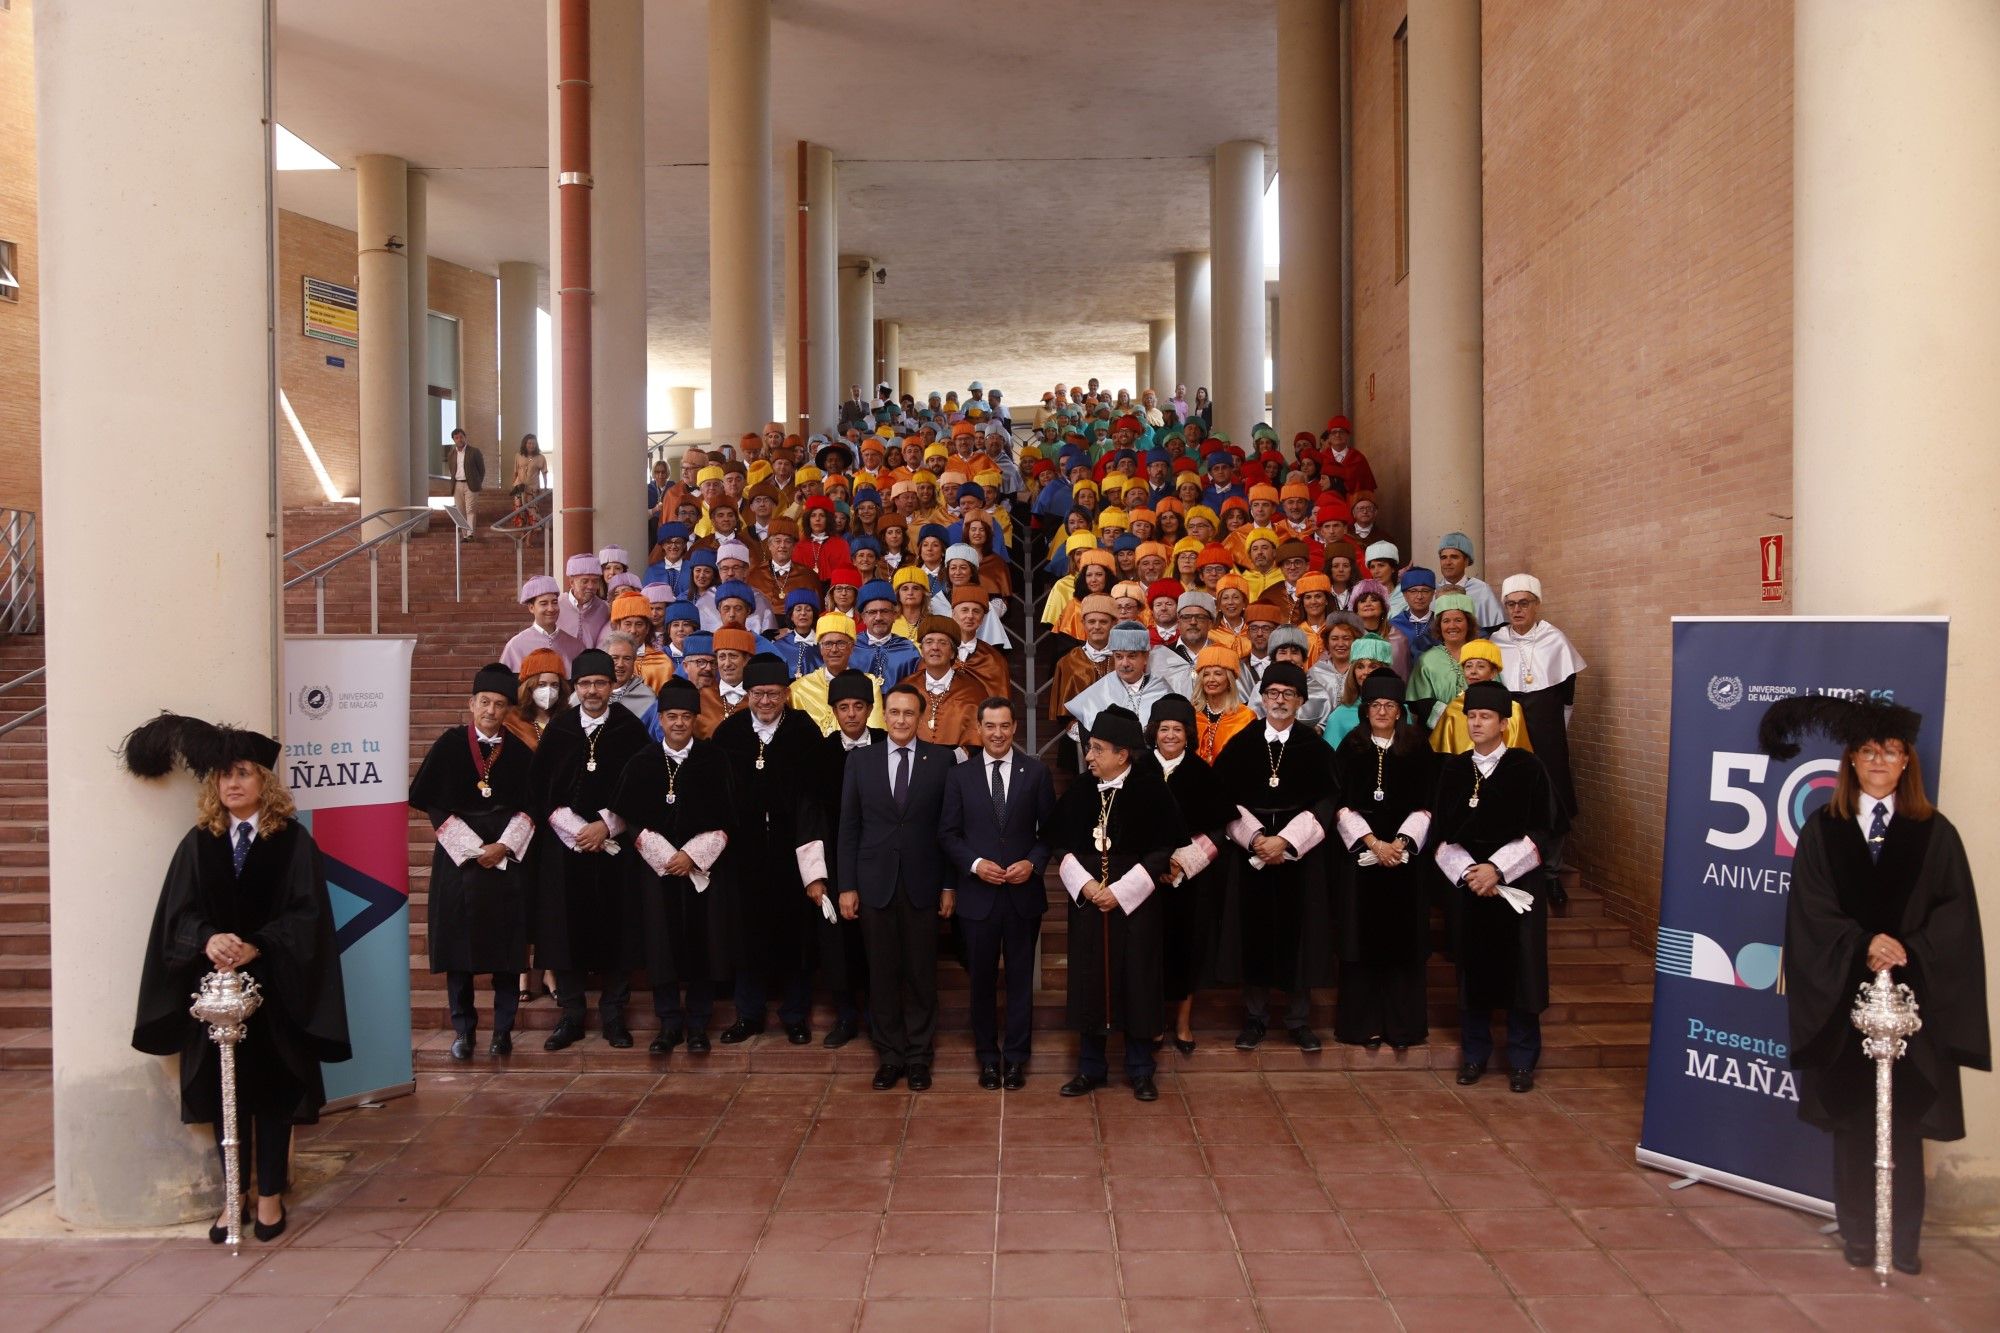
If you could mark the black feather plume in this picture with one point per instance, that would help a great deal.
(152, 748)
(1845, 722)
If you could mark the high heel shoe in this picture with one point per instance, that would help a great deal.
(1185, 1047)
(217, 1235)
(273, 1231)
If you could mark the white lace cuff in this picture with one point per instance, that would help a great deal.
(1416, 828)
(1132, 888)
(1244, 829)
(1353, 828)
(1454, 861)
(460, 843)
(1073, 876)
(520, 831)
(812, 861)
(1516, 859)
(655, 851)
(1303, 833)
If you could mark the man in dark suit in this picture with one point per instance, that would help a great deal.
(994, 811)
(893, 877)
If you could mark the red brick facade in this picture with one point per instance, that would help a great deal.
(20, 333)
(1381, 410)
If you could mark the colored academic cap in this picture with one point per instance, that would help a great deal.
(1526, 583)
(538, 586)
(1382, 551)
(582, 564)
(1416, 576)
(1457, 541)
(1129, 636)
(699, 644)
(613, 555)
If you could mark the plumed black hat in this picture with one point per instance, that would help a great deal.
(153, 748)
(1845, 722)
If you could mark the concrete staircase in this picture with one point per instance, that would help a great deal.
(1601, 985)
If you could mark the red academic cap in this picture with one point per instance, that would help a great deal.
(1339, 423)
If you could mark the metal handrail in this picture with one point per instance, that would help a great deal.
(20, 610)
(33, 713)
(544, 524)
(418, 520)
(656, 447)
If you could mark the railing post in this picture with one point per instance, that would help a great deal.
(319, 605)
(457, 564)
(406, 573)
(374, 589)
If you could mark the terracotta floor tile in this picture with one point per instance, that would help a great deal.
(789, 1316)
(931, 1275)
(1428, 1272)
(1318, 1316)
(404, 1314)
(129, 1313)
(538, 1159)
(1761, 1228)
(606, 1193)
(78, 1270)
(205, 1271)
(1041, 1275)
(511, 1315)
(363, 1228)
(726, 1194)
(621, 1159)
(1258, 1129)
(822, 1232)
(1455, 1314)
(1052, 1194)
(1652, 1228)
(309, 1272)
(1190, 1315)
(650, 1315)
(699, 1232)
(268, 1314)
(1170, 1273)
(532, 1192)
(1450, 1158)
(785, 1275)
(1272, 1193)
(1890, 1312)
(1166, 1159)
(1164, 1193)
(1496, 1230)
(743, 1160)
(925, 1316)
(1287, 1232)
(652, 1273)
(1688, 1272)
(473, 1229)
(406, 1189)
(1075, 1232)
(1598, 1189)
(1562, 1273)
(577, 1231)
(943, 1194)
(1406, 1229)
(835, 1160)
(933, 1233)
(945, 1159)
(1766, 1314)
(1382, 1190)
(30, 1314)
(1597, 1314)
(836, 1194)
(1173, 1231)
(1256, 1159)
(1147, 1130)
(552, 1273)
(1320, 1276)
(431, 1273)
(1041, 1315)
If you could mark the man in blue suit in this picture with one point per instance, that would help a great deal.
(893, 877)
(994, 810)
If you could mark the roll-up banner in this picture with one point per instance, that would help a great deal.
(347, 764)
(1721, 1097)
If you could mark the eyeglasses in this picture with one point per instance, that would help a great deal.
(1878, 754)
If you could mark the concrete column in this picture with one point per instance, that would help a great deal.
(1142, 373)
(1192, 354)
(1896, 299)
(892, 354)
(739, 217)
(141, 101)
(1236, 240)
(618, 272)
(820, 353)
(1309, 216)
(416, 259)
(1275, 356)
(857, 324)
(906, 381)
(1160, 351)
(1447, 335)
(680, 408)
(381, 235)
(519, 411)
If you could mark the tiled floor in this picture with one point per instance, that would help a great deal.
(548, 1200)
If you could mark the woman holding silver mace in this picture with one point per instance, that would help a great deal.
(245, 931)
(1881, 889)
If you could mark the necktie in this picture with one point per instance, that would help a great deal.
(1877, 830)
(241, 850)
(999, 794)
(900, 789)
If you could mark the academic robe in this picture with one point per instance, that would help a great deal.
(478, 917)
(1074, 674)
(809, 696)
(1433, 683)
(1145, 829)
(843, 958)
(774, 588)
(1540, 667)
(1193, 906)
(775, 818)
(565, 645)
(1452, 736)
(279, 904)
(952, 717)
(715, 711)
(1277, 921)
(986, 665)
(800, 657)
(1382, 913)
(684, 931)
(584, 920)
(888, 662)
(1503, 955)
(1920, 893)
(1111, 690)
(1214, 732)
(582, 623)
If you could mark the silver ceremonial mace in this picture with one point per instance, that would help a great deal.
(225, 1002)
(1886, 1014)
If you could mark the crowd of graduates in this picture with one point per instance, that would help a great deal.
(1349, 736)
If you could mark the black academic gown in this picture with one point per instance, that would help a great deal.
(1548, 731)
(1920, 893)
(278, 904)
(478, 917)
(1194, 905)
(1503, 955)
(1277, 921)
(682, 935)
(843, 957)
(1145, 829)
(585, 919)
(775, 813)
(1382, 913)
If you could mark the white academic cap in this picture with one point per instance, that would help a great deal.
(1382, 551)
(1526, 583)
(613, 555)
(732, 551)
(582, 564)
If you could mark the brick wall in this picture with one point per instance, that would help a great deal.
(1381, 301)
(1638, 257)
(327, 399)
(20, 346)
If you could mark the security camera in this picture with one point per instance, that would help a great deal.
(881, 276)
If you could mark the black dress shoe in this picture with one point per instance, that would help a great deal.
(1520, 1080)
(1912, 1265)
(989, 1077)
(1469, 1074)
(697, 1042)
(217, 1235)
(887, 1076)
(740, 1030)
(842, 1034)
(618, 1037)
(1184, 1047)
(1373, 1043)
(1304, 1038)
(1251, 1037)
(273, 1231)
(566, 1035)
(1145, 1090)
(1858, 1256)
(502, 1044)
(798, 1034)
(1082, 1085)
(461, 1047)
(1014, 1078)
(920, 1078)
(666, 1041)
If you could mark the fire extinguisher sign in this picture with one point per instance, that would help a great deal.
(1771, 566)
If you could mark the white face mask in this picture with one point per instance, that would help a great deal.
(545, 696)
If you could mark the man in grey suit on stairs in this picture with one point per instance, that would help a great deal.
(995, 808)
(893, 876)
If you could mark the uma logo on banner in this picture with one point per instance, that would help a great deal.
(1721, 1096)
